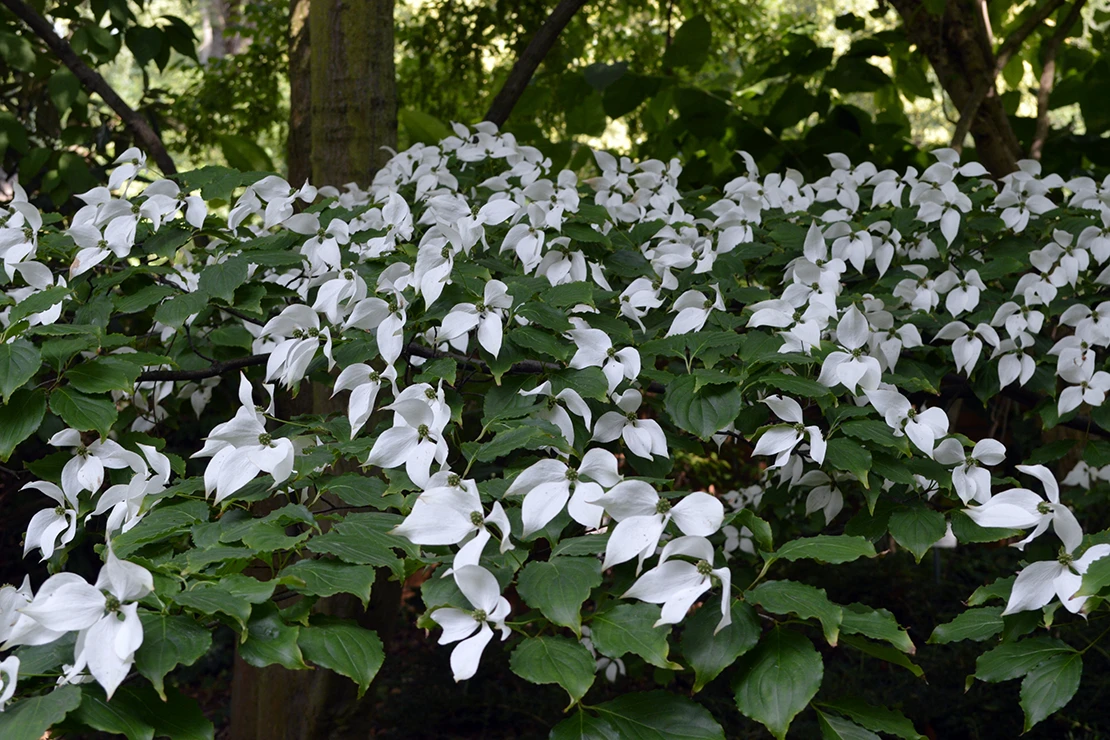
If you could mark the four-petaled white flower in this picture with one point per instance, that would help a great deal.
(693, 310)
(549, 485)
(472, 628)
(923, 428)
(448, 512)
(241, 448)
(644, 437)
(551, 410)
(781, 439)
(595, 349)
(486, 315)
(970, 478)
(849, 366)
(54, 527)
(677, 584)
(104, 615)
(363, 382)
(1038, 582)
(415, 440)
(1020, 508)
(642, 516)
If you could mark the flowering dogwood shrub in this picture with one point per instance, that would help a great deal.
(517, 359)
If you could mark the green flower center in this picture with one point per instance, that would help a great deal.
(663, 506)
(422, 431)
(704, 568)
(480, 615)
(1044, 508)
(454, 480)
(265, 439)
(476, 518)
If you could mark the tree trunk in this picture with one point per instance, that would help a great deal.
(961, 56)
(343, 110)
(354, 99)
(299, 144)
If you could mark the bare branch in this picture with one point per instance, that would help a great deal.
(216, 368)
(93, 82)
(1048, 77)
(529, 60)
(984, 87)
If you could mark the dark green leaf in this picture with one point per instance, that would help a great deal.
(974, 624)
(559, 586)
(555, 660)
(82, 412)
(19, 418)
(19, 361)
(29, 719)
(708, 653)
(103, 374)
(1050, 686)
(658, 715)
(917, 528)
(221, 280)
(345, 648)
(778, 679)
(169, 641)
(327, 578)
(629, 628)
(691, 45)
(270, 640)
(826, 548)
(790, 597)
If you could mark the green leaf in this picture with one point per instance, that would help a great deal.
(445, 369)
(115, 717)
(883, 653)
(327, 578)
(708, 653)
(1096, 578)
(164, 521)
(1014, 659)
(870, 430)
(790, 597)
(37, 303)
(345, 648)
(966, 530)
(270, 640)
(169, 641)
(103, 374)
(878, 624)
(691, 45)
(628, 628)
(1050, 686)
(176, 310)
(558, 588)
(877, 719)
(826, 548)
(531, 434)
(213, 599)
(19, 418)
(29, 719)
(917, 528)
(703, 412)
(588, 382)
(844, 454)
(19, 361)
(657, 715)
(778, 679)
(837, 728)
(792, 385)
(221, 280)
(974, 624)
(42, 658)
(82, 412)
(760, 529)
(364, 539)
(555, 660)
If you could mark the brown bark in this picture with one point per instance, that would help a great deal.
(299, 144)
(960, 54)
(1048, 76)
(353, 95)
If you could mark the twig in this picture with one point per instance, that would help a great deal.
(529, 60)
(1048, 77)
(1009, 47)
(93, 82)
